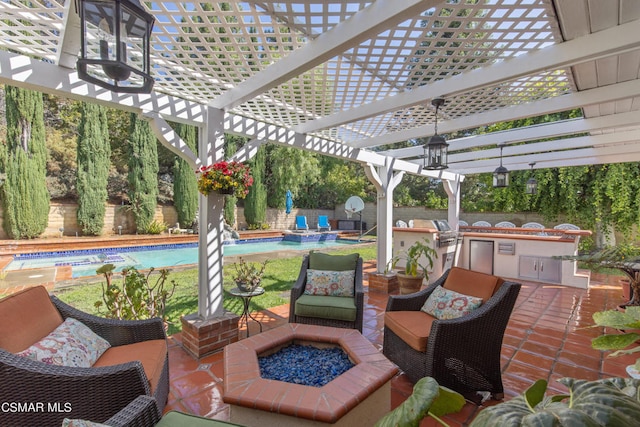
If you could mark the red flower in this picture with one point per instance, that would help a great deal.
(233, 177)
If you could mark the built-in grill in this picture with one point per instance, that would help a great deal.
(444, 241)
(445, 236)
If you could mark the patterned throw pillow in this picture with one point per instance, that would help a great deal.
(330, 283)
(445, 304)
(80, 423)
(70, 344)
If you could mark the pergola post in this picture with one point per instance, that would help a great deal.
(385, 181)
(452, 187)
(211, 328)
(210, 255)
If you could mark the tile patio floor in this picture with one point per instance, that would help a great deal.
(545, 339)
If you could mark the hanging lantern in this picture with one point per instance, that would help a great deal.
(532, 183)
(435, 150)
(115, 43)
(501, 174)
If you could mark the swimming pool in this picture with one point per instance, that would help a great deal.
(85, 262)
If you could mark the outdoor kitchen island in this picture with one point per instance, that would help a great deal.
(514, 253)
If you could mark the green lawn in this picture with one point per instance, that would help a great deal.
(279, 276)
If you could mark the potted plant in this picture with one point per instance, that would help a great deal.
(624, 257)
(248, 274)
(225, 178)
(414, 272)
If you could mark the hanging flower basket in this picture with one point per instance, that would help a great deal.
(225, 178)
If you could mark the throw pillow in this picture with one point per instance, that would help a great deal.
(445, 304)
(330, 283)
(321, 261)
(80, 423)
(70, 344)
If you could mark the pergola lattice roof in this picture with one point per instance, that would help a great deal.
(362, 74)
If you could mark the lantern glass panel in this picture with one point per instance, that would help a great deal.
(436, 153)
(115, 45)
(99, 30)
(501, 178)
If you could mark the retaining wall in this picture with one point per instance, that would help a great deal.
(63, 216)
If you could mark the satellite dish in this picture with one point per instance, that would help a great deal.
(354, 204)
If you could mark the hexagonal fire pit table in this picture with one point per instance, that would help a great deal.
(360, 396)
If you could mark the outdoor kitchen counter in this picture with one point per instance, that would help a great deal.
(547, 234)
(517, 253)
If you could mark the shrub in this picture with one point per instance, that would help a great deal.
(155, 227)
(136, 298)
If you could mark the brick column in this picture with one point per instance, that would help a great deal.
(203, 337)
(385, 283)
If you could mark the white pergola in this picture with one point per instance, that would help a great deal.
(346, 78)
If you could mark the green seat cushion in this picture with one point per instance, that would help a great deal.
(320, 261)
(180, 419)
(338, 308)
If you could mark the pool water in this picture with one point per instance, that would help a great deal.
(85, 262)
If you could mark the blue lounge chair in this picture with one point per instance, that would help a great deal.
(323, 223)
(301, 223)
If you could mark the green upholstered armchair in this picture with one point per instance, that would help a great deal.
(325, 308)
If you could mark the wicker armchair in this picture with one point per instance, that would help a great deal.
(358, 300)
(462, 354)
(144, 412)
(95, 393)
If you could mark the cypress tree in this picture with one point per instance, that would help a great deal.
(25, 198)
(255, 205)
(143, 173)
(93, 156)
(185, 184)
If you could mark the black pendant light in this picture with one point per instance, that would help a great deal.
(435, 150)
(115, 43)
(532, 183)
(501, 174)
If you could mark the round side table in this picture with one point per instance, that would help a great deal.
(246, 301)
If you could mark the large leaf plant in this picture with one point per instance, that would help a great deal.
(605, 402)
(627, 321)
(428, 399)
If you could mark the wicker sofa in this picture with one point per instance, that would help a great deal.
(136, 363)
(335, 311)
(462, 353)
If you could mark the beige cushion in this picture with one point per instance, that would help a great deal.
(26, 317)
(150, 353)
(472, 283)
(413, 327)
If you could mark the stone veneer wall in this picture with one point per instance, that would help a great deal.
(63, 215)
